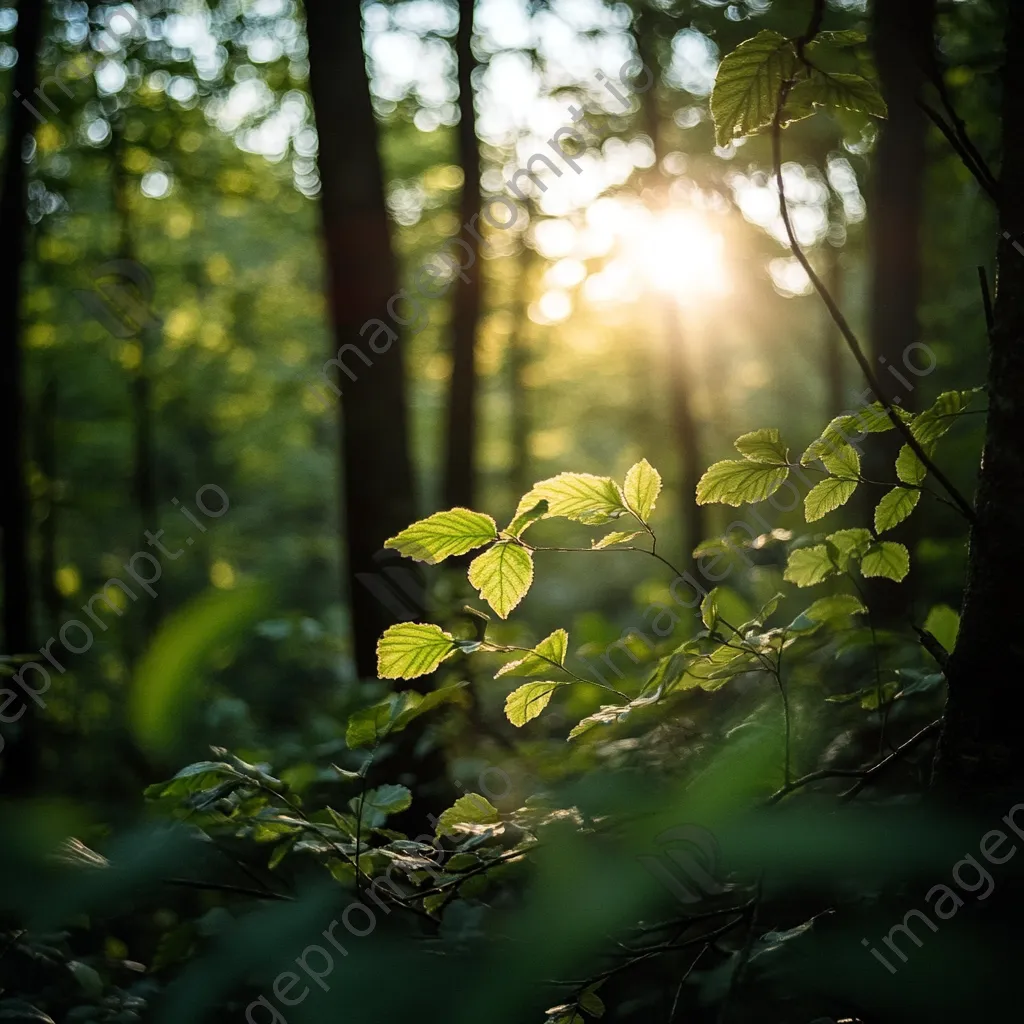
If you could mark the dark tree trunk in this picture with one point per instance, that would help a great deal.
(901, 39)
(460, 473)
(361, 281)
(687, 432)
(518, 361)
(21, 752)
(981, 744)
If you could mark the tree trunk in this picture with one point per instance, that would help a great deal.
(687, 432)
(460, 475)
(981, 746)
(901, 39)
(21, 751)
(519, 358)
(361, 281)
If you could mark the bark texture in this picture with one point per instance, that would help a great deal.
(377, 487)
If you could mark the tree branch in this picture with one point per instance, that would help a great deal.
(844, 328)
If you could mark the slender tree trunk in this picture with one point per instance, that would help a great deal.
(460, 474)
(518, 361)
(981, 746)
(901, 39)
(361, 281)
(21, 752)
(687, 432)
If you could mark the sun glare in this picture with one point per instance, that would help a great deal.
(678, 253)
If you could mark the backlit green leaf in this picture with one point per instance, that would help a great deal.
(735, 483)
(763, 445)
(848, 545)
(528, 701)
(641, 488)
(909, 468)
(412, 649)
(502, 575)
(808, 566)
(827, 609)
(834, 91)
(614, 538)
(748, 84)
(471, 809)
(527, 518)
(827, 497)
(841, 459)
(895, 507)
(444, 534)
(547, 654)
(578, 496)
(887, 559)
(943, 623)
(709, 609)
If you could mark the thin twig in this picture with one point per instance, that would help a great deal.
(241, 890)
(841, 323)
(978, 172)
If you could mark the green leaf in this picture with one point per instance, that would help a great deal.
(834, 90)
(581, 497)
(528, 701)
(748, 84)
(641, 489)
(847, 545)
(735, 483)
(840, 40)
(590, 1002)
(444, 534)
(841, 459)
(887, 559)
(709, 609)
(379, 803)
(936, 420)
(613, 538)
(763, 445)
(527, 518)
(551, 649)
(943, 623)
(895, 507)
(167, 680)
(827, 609)
(909, 468)
(827, 497)
(412, 649)
(471, 809)
(808, 566)
(502, 575)
(415, 704)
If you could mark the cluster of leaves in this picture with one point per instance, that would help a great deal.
(769, 67)
(766, 466)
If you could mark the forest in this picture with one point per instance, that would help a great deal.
(511, 511)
